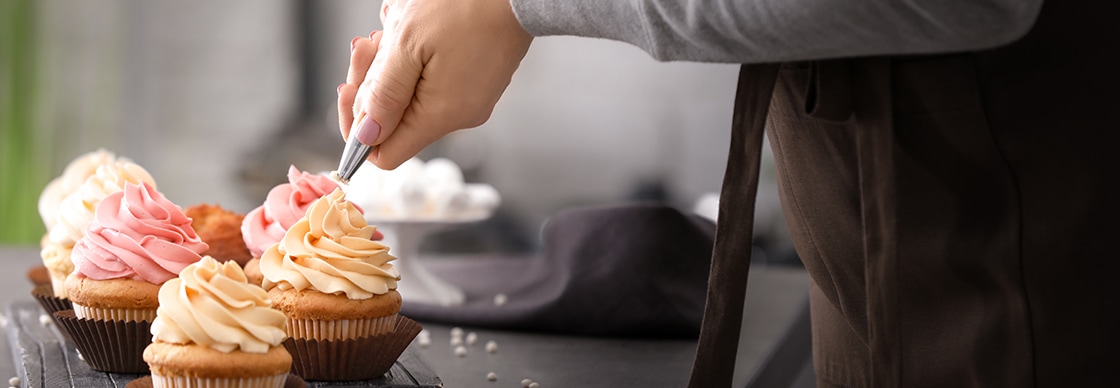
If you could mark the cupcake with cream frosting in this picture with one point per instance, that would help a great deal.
(214, 329)
(75, 211)
(136, 241)
(338, 289)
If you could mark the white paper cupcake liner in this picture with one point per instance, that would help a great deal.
(340, 329)
(276, 381)
(58, 285)
(124, 315)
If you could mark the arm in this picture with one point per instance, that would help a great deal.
(442, 65)
(746, 31)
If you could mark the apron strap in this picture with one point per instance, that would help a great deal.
(714, 365)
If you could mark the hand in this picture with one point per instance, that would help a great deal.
(440, 66)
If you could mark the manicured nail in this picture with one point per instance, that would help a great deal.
(372, 34)
(354, 42)
(368, 131)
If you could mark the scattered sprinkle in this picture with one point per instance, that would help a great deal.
(80, 355)
(500, 299)
(44, 319)
(14, 381)
(525, 383)
(456, 332)
(456, 341)
(460, 351)
(425, 333)
(491, 347)
(472, 338)
(424, 342)
(534, 385)
(492, 376)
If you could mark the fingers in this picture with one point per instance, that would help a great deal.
(407, 141)
(395, 73)
(362, 52)
(346, 94)
(361, 57)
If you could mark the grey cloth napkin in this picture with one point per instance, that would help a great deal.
(636, 270)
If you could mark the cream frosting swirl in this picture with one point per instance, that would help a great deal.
(285, 205)
(137, 233)
(330, 250)
(72, 177)
(212, 304)
(76, 211)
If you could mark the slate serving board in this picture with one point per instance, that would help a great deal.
(43, 359)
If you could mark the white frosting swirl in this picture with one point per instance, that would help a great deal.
(76, 210)
(72, 177)
(212, 304)
(329, 250)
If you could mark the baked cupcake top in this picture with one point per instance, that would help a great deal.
(330, 250)
(285, 205)
(72, 177)
(75, 212)
(211, 304)
(138, 234)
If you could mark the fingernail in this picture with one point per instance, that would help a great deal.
(339, 88)
(368, 131)
(354, 42)
(372, 34)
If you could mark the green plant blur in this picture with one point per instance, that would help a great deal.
(23, 169)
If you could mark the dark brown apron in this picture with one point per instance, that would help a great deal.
(955, 212)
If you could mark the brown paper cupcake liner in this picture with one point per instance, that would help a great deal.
(293, 381)
(356, 359)
(39, 275)
(109, 346)
(44, 294)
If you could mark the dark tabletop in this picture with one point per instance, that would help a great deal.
(776, 296)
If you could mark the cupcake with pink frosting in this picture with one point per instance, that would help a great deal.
(68, 203)
(136, 241)
(285, 205)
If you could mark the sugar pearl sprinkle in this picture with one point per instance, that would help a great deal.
(525, 383)
(44, 319)
(472, 338)
(500, 299)
(14, 381)
(456, 332)
(492, 376)
(456, 341)
(491, 347)
(461, 351)
(534, 385)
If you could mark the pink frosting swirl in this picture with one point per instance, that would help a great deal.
(286, 204)
(137, 233)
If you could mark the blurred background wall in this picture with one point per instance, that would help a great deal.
(217, 98)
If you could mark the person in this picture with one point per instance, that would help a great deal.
(944, 167)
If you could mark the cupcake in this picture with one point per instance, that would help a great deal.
(286, 203)
(221, 230)
(75, 211)
(337, 288)
(137, 241)
(214, 329)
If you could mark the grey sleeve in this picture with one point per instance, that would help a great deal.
(753, 31)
